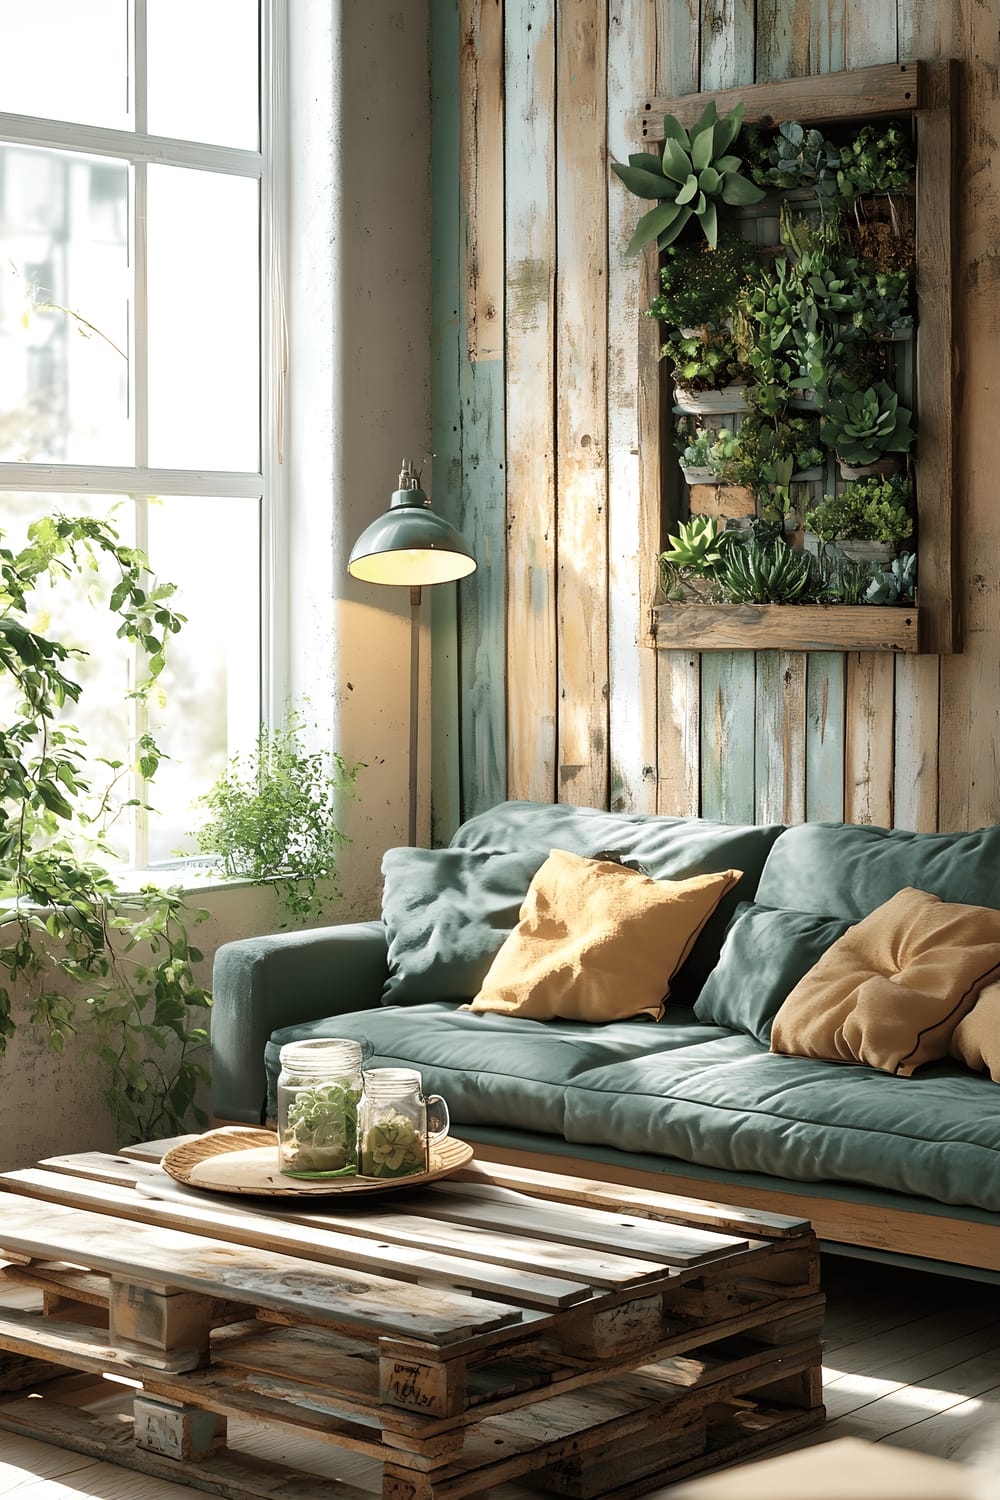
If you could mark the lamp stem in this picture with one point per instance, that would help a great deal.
(414, 706)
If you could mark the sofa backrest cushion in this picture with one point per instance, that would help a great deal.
(446, 913)
(666, 848)
(764, 955)
(891, 991)
(847, 870)
(597, 941)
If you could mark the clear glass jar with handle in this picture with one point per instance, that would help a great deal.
(397, 1124)
(318, 1092)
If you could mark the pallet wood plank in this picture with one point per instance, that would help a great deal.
(581, 410)
(868, 765)
(286, 1284)
(483, 141)
(916, 756)
(663, 1245)
(532, 688)
(678, 734)
(305, 1234)
(633, 513)
(779, 757)
(800, 627)
(826, 675)
(728, 687)
(886, 89)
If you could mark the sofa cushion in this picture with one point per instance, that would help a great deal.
(666, 848)
(492, 1070)
(764, 955)
(891, 991)
(597, 941)
(728, 1103)
(446, 913)
(846, 870)
(975, 1042)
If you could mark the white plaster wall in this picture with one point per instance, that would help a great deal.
(357, 402)
(359, 327)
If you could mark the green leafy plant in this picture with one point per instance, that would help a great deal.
(703, 362)
(319, 1137)
(273, 817)
(70, 939)
(694, 175)
(763, 440)
(885, 305)
(767, 573)
(874, 509)
(879, 159)
(699, 285)
(862, 425)
(797, 157)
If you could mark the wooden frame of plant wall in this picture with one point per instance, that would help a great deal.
(927, 93)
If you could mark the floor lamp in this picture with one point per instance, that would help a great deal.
(409, 546)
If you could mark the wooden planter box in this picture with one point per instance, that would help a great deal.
(786, 627)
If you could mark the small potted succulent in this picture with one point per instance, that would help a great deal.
(867, 429)
(867, 521)
(689, 567)
(707, 372)
(707, 455)
(695, 174)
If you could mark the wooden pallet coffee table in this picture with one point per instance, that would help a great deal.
(501, 1326)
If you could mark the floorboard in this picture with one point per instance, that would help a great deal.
(911, 1360)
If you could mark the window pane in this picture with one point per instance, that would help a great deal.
(210, 704)
(64, 294)
(203, 320)
(74, 610)
(202, 70)
(65, 60)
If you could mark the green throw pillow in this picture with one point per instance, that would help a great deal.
(764, 955)
(446, 913)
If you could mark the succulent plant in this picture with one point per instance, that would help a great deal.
(697, 547)
(798, 157)
(878, 160)
(861, 425)
(895, 584)
(767, 573)
(692, 177)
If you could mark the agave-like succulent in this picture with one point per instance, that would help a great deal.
(693, 175)
(861, 425)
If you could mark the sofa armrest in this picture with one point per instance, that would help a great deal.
(260, 984)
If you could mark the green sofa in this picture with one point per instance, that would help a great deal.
(892, 1167)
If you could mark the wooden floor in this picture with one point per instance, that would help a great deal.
(911, 1360)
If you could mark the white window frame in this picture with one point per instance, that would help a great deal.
(266, 485)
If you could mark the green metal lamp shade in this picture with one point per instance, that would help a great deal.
(409, 545)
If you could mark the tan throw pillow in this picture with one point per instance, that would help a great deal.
(976, 1039)
(597, 941)
(891, 991)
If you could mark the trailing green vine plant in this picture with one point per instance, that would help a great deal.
(70, 941)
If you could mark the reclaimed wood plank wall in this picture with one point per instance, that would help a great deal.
(538, 384)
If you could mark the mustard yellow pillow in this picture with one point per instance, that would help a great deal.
(976, 1039)
(597, 941)
(891, 991)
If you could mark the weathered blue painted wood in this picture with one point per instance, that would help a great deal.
(728, 714)
(447, 337)
(825, 707)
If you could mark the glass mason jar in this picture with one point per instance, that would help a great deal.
(318, 1091)
(396, 1123)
